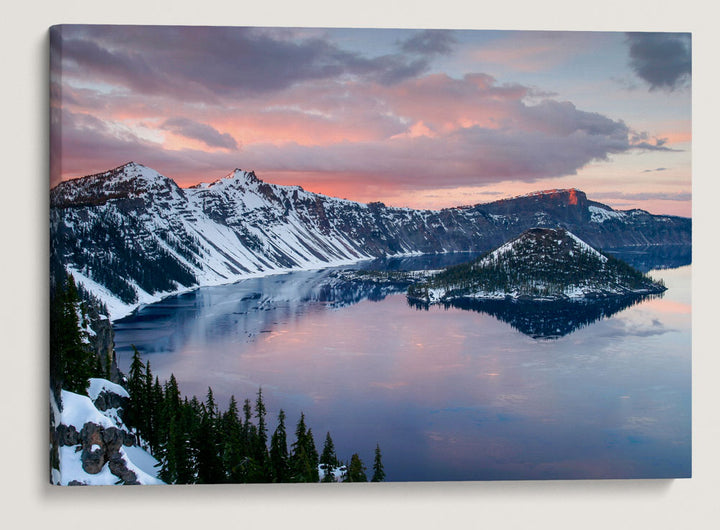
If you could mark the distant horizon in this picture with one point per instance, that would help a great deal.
(425, 119)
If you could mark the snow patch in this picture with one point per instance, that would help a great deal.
(98, 385)
(79, 410)
(600, 215)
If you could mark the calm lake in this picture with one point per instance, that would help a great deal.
(449, 394)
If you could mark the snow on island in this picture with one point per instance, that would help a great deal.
(542, 264)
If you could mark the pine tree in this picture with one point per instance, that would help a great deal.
(278, 451)
(72, 361)
(189, 418)
(260, 413)
(356, 470)
(150, 407)
(313, 457)
(172, 450)
(328, 459)
(166, 454)
(156, 403)
(301, 467)
(378, 470)
(231, 439)
(259, 453)
(209, 464)
(172, 396)
(247, 469)
(136, 413)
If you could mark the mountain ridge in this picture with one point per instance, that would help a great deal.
(132, 235)
(574, 196)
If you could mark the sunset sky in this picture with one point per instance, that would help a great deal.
(420, 118)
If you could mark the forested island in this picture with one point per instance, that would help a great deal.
(541, 264)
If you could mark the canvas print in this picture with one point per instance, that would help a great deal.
(332, 255)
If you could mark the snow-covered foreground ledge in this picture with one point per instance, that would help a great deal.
(94, 447)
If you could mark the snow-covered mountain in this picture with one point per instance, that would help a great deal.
(131, 235)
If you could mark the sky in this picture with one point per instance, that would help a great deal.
(417, 118)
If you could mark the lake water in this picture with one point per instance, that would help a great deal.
(449, 394)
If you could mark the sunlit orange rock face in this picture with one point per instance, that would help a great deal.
(565, 204)
(572, 197)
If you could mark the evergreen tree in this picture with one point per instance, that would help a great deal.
(136, 413)
(174, 450)
(72, 361)
(300, 434)
(210, 405)
(209, 464)
(279, 464)
(231, 439)
(189, 420)
(356, 470)
(258, 464)
(328, 459)
(166, 454)
(172, 397)
(247, 470)
(301, 467)
(261, 441)
(378, 470)
(150, 407)
(313, 457)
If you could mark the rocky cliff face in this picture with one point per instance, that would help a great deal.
(130, 234)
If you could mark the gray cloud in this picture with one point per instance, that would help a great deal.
(211, 62)
(654, 170)
(510, 138)
(658, 146)
(200, 131)
(529, 142)
(664, 60)
(429, 42)
(467, 156)
(90, 146)
(562, 117)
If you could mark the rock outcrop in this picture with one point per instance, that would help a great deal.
(92, 427)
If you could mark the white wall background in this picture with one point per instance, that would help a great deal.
(27, 500)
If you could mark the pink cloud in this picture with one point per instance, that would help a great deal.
(366, 128)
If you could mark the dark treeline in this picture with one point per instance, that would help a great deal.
(197, 443)
(121, 258)
(72, 360)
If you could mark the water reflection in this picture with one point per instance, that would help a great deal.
(546, 320)
(449, 394)
(243, 311)
(654, 257)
